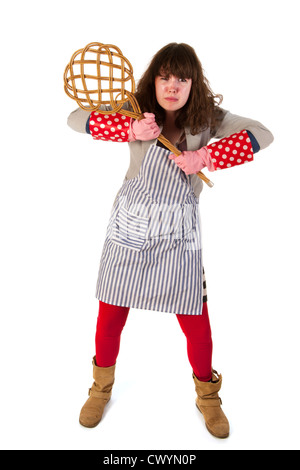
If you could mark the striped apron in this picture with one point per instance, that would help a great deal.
(152, 255)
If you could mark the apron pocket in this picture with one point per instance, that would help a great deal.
(129, 230)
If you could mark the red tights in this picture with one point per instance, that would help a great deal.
(112, 319)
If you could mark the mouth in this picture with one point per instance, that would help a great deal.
(171, 99)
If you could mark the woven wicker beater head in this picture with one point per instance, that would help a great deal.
(98, 75)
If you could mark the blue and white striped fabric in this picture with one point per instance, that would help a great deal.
(152, 255)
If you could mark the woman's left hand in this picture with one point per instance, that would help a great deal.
(192, 162)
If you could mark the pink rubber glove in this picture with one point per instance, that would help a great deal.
(192, 162)
(145, 129)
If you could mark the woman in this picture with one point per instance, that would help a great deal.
(152, 256)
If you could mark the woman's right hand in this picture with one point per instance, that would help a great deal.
(145, 129)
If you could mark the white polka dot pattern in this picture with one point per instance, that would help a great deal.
(231, 151)
(110, 127)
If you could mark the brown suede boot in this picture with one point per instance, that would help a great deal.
(209, 403)
(100, 393)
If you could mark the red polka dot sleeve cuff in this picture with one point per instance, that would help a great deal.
(231, 151)
(112, 127)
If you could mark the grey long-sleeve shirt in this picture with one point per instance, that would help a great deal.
(226, 125)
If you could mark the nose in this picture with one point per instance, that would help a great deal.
(172, 85)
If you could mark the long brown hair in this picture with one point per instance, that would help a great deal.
(181, 61)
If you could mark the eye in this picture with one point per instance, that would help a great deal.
(183, 80)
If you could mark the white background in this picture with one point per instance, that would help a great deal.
(57, 188)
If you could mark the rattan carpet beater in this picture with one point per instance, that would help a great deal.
(99, 75)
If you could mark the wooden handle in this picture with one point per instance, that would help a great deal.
(168, 144)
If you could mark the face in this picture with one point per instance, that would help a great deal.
(172, 92)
